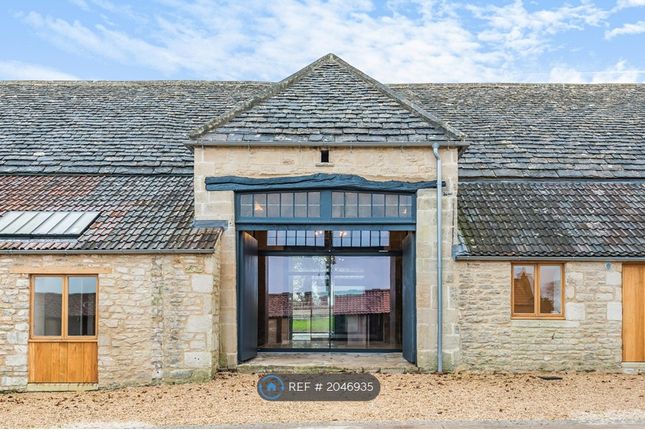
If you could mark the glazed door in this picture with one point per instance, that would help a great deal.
(634, 312)
(247, 297)
(63, 333)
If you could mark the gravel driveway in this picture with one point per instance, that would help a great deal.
(405, 400)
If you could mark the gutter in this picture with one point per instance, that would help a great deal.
(105, 251)
(435, 151)
(565, 258)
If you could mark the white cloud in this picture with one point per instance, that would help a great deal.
(528, 33)
(16, 70)
(235, 41)
(635, 28)
(620, 72)
(622, 4)
(418, 41)
(565, 75)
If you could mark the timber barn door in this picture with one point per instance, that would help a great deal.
(634, 312)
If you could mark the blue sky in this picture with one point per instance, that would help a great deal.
(394, 41)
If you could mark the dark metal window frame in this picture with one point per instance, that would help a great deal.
(326, 220)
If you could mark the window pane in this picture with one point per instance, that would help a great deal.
(48, 305)
(81, 305)
(391, 205)
(291, 238)
(314, 205)
(337, 205)
(385, 238)
(364, 205)
(351, 205)
(300, 205)
(523, 290)
(246, 205)
(550, 290)
(259, 205)
(378, 205)
(273, 205)
(405, 209)
(286, 206)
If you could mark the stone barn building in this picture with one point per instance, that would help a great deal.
(163, 231)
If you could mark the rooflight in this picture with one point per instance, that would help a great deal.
(45, 223)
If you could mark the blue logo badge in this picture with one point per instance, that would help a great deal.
(271, 387)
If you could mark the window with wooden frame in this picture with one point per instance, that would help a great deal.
(63, 307)
(537, 291)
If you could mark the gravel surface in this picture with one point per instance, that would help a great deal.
(408, 399)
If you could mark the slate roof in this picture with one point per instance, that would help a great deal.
(546, 131)
(137, 213)
(108, 127)
(329, 101)
(552, 219)
(523, 132)
(514, 130)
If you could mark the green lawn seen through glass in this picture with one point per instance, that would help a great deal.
(306, 325)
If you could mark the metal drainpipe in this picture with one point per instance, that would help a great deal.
(435, 151)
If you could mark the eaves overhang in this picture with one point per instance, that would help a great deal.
(297, 144)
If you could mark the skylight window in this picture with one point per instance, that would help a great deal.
(45, 224)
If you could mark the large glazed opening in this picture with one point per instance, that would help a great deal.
(326, 270)
(343, 295)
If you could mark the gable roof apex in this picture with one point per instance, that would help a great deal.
(330, 58)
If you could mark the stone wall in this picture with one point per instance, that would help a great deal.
(589, 338)
(380, 164)
(158, 315)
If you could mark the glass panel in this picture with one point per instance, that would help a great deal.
(364, 205)
(300, 205)
(297, 302)
(273, 205)
(246, 205)
(65, 223)
(337, 205)
(378, 205)
(550, 289)
(259, 205)
(34, 222)
(286, 206)
(320, 237)
(310, 205)
(364, 296)
(314, 205)
(391, 205)
(351, 205)
(523, 289)
(300, 238)
(281, 238)
(271, 238)
(81, 305)
(405, 208)
(48, 305)
(81, 224)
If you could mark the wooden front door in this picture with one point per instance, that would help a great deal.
(634, 312)
(63, 333)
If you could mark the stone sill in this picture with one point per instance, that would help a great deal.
(324, 164)
(40, 387)
(553, 323)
